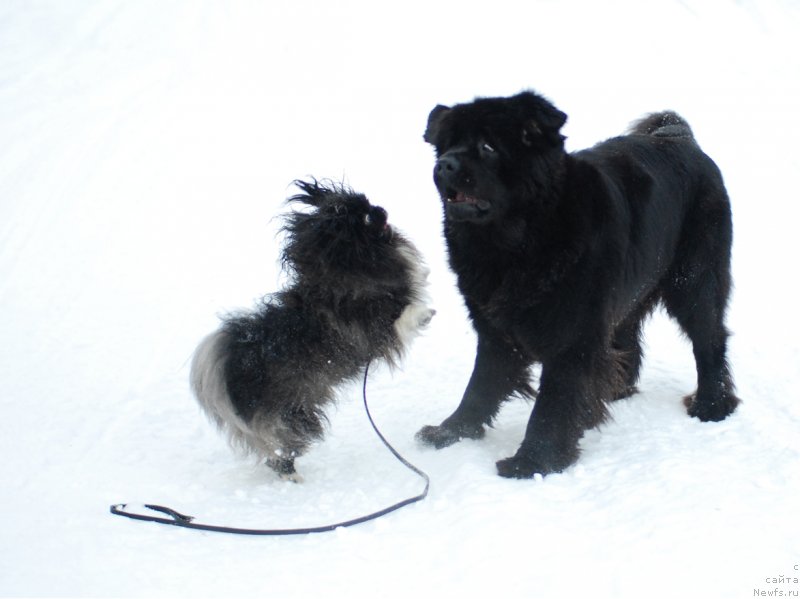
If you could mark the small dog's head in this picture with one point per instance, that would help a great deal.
(487, 149)
(343, 241)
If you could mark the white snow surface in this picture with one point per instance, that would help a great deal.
(146, 149)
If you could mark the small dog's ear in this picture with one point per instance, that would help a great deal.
(314, 192)
(434, 121)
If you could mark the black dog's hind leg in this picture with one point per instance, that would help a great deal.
(570, 401)
(715, 397)
(500, 370)
(696, 295)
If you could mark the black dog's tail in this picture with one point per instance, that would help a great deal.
(663, 124)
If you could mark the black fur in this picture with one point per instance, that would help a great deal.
(356, 295)
(560, 257)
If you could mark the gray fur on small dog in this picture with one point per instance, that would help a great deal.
(358, 294)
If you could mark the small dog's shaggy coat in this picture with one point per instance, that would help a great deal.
(357, 294)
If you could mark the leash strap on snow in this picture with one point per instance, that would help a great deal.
(177, 519)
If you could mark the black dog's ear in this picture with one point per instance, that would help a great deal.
(434, 120)
(540, 118)
(547, 124)
(552, 118)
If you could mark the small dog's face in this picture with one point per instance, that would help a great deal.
(351, 216)
(342, 236)
(484, 150)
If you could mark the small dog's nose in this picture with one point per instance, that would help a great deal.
(447, 165)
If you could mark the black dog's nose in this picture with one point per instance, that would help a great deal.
(447, 165)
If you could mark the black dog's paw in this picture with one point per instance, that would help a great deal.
(522, 467)
(515, 467)
(443, 436)
(525, 464)
(713, 410)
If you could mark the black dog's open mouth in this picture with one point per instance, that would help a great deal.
(463, 206)
(460, 197)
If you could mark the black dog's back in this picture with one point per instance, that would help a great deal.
(676, 220)
(637, 206)
(662, 124)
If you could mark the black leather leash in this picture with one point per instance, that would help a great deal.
(177, 519)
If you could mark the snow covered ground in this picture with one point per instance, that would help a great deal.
(146, 149)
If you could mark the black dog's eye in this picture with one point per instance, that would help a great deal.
(530, 133)
(367, 219)
(527, 137)
(487, 148)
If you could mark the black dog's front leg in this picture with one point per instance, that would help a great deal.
(499, 371)
(570, 401)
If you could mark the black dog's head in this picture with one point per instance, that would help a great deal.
(343, 241)
(493, 151)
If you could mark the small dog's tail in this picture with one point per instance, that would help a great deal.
(264, 438)
(207, 378)
(209, 385)
(663, 124)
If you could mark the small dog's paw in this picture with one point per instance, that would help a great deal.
(711, 411)
(425, 317)
(412, 320)
(284, 468)
(443, 436)
(292, 477)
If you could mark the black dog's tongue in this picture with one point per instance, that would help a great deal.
(462, 198)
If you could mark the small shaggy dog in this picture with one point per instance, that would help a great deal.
(357, 294)
(560, 257)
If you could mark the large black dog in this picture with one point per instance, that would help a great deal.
(560, 257)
